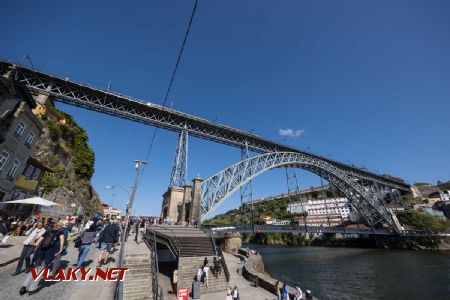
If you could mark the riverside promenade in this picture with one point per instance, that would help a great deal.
(69, 290)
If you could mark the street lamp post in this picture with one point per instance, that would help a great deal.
(139, 164)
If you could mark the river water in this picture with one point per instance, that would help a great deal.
(353, 273)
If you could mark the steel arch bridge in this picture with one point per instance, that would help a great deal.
(216, 189)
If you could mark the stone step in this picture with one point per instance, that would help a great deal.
(137, 296)
(137, 289)
(137, 282)
(134, 261)
(133, 276)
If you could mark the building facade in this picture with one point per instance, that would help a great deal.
(325, 212)
(19, 132)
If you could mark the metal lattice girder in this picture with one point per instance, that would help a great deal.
(216, 189)
(178, 176)
(246, 190)
(83, 95)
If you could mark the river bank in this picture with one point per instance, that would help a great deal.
(356, 273)
(350, 240)
(253, 271)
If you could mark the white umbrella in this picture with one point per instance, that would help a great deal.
(33, 201)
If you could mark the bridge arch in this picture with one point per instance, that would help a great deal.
(217, 188)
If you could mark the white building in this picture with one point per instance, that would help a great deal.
(445, 195)
(326, 212)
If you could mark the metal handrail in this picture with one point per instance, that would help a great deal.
(118, 293)
(151, 244)
(172, 239)
(224, 264)
(219, 253)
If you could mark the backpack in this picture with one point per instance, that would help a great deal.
(49, 240)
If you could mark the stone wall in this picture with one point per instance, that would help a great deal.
(254, 269)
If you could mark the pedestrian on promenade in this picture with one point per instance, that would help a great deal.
(285, 292)
(29, 245)
(136, 229)
(3, 231)
(298, 294)
(86, 239)
(206, 274)
(200, 274)
(88, 224)
(205, 262)
(309, 295)
(278, 290)
(108, 237)
(57, 261)
(50, 245)
(235, 293)
(228, 297)
(174, 281)
(141, 231)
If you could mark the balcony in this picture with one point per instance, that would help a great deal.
(29, 185)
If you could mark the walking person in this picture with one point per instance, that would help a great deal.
(29, 245)
(174, 281)
(200, 274)
(50, 245)
(235, 293)
(86, 240)
(108, 237)
(57, 261)
(278, 290)
(298, 293)
(136, 229)
(206, 274)
(142, 229)
(285, 292)
(3, 231)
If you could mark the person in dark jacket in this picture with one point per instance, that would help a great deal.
(107, 239)
(50, 245)
(87, 238)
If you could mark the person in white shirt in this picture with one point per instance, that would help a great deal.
(199, 273)
(299, 293)
(235, 293)
(28, 248)
(206, 273)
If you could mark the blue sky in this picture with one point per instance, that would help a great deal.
(362, 81)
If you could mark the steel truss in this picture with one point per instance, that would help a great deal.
(216, 189)
(178, 176)
(105, 101)
(246, 190)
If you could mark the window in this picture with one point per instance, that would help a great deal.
(20, 129)
(28, 171)
(30, 139)
(12, 172)
(37, 174)
(4, 156)
(19, 195)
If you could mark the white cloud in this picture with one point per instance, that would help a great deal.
(288, 132)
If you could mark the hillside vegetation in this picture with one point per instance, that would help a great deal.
(64, 147)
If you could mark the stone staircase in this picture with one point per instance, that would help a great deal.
(194, 246)
(138, 280)
(187, 270)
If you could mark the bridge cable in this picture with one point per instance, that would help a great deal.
(172, 79)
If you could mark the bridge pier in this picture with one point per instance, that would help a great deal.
(181, 204)
(230, 242)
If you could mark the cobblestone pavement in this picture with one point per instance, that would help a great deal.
(10, 285)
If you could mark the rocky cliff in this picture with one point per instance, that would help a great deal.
(63, 147)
